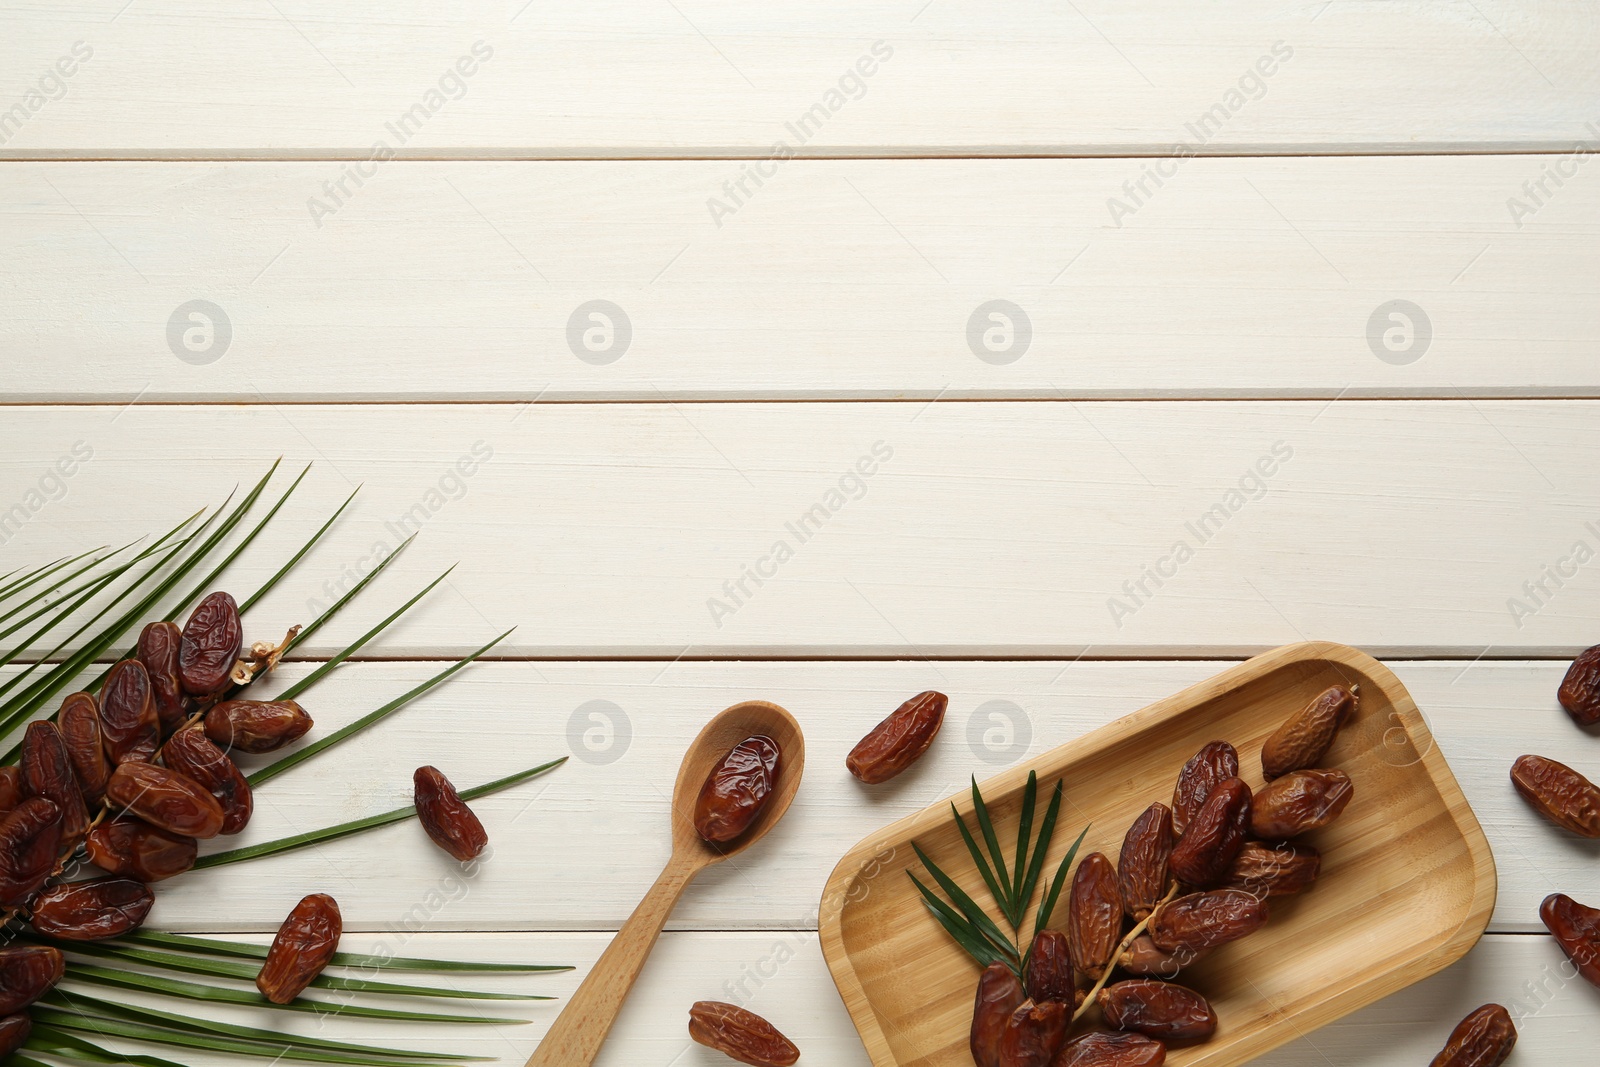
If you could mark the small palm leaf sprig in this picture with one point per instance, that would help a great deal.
(119, 589)
(1012, 885)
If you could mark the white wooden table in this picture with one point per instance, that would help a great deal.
(1011, 300)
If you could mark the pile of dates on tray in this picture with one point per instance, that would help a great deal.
(134, 777)
(1190, 879)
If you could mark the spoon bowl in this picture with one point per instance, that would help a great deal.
(750, 718)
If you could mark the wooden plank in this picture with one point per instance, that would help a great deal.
(576, 849)
(630, 77)
(782, 976)
(837, 279)
(964, 529)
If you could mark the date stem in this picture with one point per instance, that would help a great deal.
(1133, 935)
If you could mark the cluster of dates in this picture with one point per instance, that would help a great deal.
(136, 778)
(1190, 878)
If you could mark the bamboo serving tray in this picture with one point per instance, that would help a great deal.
(1407, 884)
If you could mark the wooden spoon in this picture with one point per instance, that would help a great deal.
(581, 1028)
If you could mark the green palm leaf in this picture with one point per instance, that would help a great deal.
(244, 949)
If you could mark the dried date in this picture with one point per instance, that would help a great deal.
(1576, 928)
(30, 845)
(11, 789)
(164, 798)
(47, 772)
(446, 817)
(899, 740)
(128, 723)
(132, 847)
(1142, 864)
(191, 754)
(737, 790)
(159, 647)
(1299, 802)
(79, 722)
(1034, 1034)
(1559, 793)
(1580, 689)
(256, 726)
(209, 646)
(1049, 969)
(14, 1030)
(1274, 870)
(1212, 842)
(305, 943)
(1162, 1010)
(1483, 1039)
(1121, 1049)
(999, 995)
(1094, 916)
(1144, 959)
(1206, 769)
(1203, 921)
(28, 973)
(1305, 738)
(740, 1035)
(92, 911)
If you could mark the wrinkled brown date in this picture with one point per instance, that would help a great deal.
(191, 753)
(1120, 1049)
(1144, 959)
(1580, 689)
(30, 843)
(1299, 802)
(446, 817)
(133, 847)
(899, 740)
(209, 646)
(14, 1030)
(999, 995)
(128, 723)
(79, 722)
(1483, 1039)
(1559, 793)
(1162, 1010)
(1305, 738)
(28, 973)
(737, 790)
(305, 943)
(1203, 921)
(740, 1035)
(1049, 970)
(1206, 769)
(11, 789)
(1274, 870)
(1576, 928)
(1034, 1034)
(1142, 864)
(1203, 856)
(92, 911)
(162, 797)
(256, 725)
(47, 772)
(1094, 916)
(159, 645)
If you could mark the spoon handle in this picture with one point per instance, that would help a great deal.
(581, 1028)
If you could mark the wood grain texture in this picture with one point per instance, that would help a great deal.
(976, 529)
(576, 849)
(835, 279)
(783, 976)
(629, 77)
(1406, 889)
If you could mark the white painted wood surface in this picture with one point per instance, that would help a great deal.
(711, 77)
(834, 279)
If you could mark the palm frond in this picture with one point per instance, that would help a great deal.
(243, 949)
